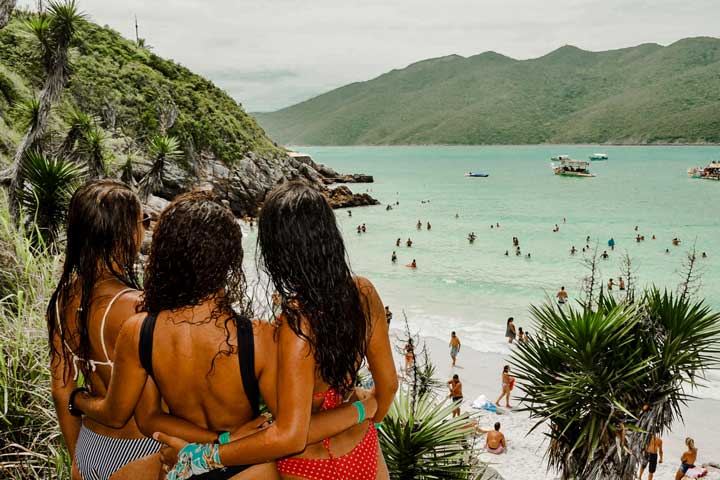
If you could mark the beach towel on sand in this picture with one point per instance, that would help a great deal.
(481, 403)
(696, 472)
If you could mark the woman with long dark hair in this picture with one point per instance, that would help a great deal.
(200, 351)
(330, 323)
(97, 292)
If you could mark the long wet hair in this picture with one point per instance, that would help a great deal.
(303, 253)
(102, 227)
(196, 256)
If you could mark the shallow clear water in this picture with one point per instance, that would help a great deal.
(474, 288)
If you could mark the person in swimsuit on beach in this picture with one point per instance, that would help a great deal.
(610, 284)
(409, 354)
(688, 459)
(562, 296)
(510, 330)
(454, 347)
(650, 460)
(456, 394)
(194, 307)
(621, 283)
(495, 441)
(388, 314)
(97, 292)
(508, 383)
(331, 323)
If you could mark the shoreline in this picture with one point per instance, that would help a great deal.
(465, 145)
(480, 374)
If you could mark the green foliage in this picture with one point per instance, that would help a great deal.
(30, 441)
(163, 148)
(419, 441)
(644, 94)
(605, 379)
(50, 182)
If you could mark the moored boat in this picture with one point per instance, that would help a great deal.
(572, 168)
(598, 156)
(560, 158)
(711, 172)
(471, 174)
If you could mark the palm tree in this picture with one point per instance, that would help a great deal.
(162, 148)
(603, 380)
(54, 31)
(6, 9)
(49, 186)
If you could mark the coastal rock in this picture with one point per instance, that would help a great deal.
(244, 184)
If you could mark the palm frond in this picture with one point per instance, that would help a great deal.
(162, 148)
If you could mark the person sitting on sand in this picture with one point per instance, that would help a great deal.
(454, 347)
(412, 265)
(393, 259)
(611, 284)
(687, 461)
(510, 330)
(562, 296)
(650, 460)
(495, 441)
(508, 383)
(456, 394)
(409, 243)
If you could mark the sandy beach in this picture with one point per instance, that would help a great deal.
(480, 375)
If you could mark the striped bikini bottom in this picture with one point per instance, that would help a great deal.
(98, 456)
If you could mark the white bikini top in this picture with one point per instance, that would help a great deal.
(93, 363)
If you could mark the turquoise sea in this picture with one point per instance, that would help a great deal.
(474, 288)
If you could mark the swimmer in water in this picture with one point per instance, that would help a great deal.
(506, 253)
(419, 225)
(412, 265)
(604, 255)
(409, 243)
(704, 255)
(610, 284)
(573, 250)
(397, 242)
(528, 256)
(393, 259)
(429, 227)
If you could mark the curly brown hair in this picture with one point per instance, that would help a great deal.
(196, 256)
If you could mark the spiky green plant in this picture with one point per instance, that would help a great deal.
(93, 153)
(27, 112)
(604, 379)
(50, 183)
(80, 124)
(420, 441)
(30, 442)
(54, 31)
(162, 148)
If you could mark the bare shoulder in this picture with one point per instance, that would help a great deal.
(364, 285)
(264, 332)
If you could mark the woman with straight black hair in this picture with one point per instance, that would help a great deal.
(331, 322)
(98, 291)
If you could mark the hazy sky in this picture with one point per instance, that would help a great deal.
(273, 53)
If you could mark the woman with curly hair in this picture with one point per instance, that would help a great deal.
(330, 323)
(97, 292)
(195, 347)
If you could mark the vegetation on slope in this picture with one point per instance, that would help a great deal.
(643, 94)
(134, 93)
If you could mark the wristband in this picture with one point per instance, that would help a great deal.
(224, 438)
(361, 411)
(76, 412)
(378, 425)
(195, 459)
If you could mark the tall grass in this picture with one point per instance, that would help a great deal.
(30, 442)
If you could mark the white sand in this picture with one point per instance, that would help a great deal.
(480, 375)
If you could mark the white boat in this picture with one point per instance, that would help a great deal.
(711, 172)
(560, 158)
(572, 168)
(598, 156)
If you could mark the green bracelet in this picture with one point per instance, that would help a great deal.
(361, 411)
(224, 438)
(378, 425)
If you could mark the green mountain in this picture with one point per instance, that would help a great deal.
(129, 88)
(644, 94)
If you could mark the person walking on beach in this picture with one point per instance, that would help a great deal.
(454, 347)
(495, 440)
(510, 330)
(562, 296)
(456, 394)
(409, 354)
(508, 383)
(388, 314)
(654, 447)
(393, 259)
(687, 461)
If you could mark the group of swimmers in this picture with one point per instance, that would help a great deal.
(182, 359)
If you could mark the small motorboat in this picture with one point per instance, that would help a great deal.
(471, 174)
(598, 156)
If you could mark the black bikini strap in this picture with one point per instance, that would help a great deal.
(145, 347)
(246, 357)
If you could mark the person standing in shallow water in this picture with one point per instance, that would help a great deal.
(454, 347)
(510, 330)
